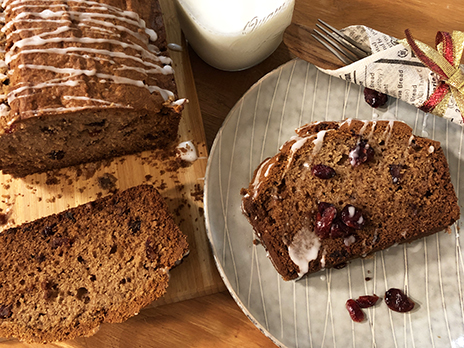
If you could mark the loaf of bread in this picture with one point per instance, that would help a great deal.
(83, 80)
(63, 275)
(339, 191)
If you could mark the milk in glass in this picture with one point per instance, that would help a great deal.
(234, 34)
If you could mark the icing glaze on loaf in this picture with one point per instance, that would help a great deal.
(83, 80)
(73, 48)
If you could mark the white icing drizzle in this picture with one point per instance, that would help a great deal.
(324, 253)
(187, 151)
(388, 131)
(318, 142)
(179, 101)
(66, 51)
(9, 5)
(100, 18)
(52, 83)
(348, 121)
(167, 69)
(82, 18)
(68, 109)
(39, 41)
(94, 100)
(349, 240)
(299, 142)
(266, 174)
(4, 110)
(431, 149)
(353, 156)
(257, 181)
(351, 211)
(363, 128)
(406, 150)
(371, 134)
(304, 249)
(116, 79)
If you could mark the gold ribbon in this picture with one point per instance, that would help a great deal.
(444, 61)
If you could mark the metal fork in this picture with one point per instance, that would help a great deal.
(342, 46)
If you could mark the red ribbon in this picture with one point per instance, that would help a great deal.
(445, 39)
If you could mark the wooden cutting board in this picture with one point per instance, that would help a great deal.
(43, 194)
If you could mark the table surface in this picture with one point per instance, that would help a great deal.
(215, 320)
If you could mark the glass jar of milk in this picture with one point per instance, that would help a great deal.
(234, 34)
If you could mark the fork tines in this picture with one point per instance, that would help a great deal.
(342, 46)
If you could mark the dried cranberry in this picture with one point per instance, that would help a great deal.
(324, 222)
(374, 98)
(323, 206)
(97, 124)
(367, 301)
(352, 217)
(397, 301)
(49, 230)
(49, 290)
(11, 129)
(4, 218)
(57, 242)
(5, 311)
(47, 130)
(56, 155)
(355, 311)
(336, 229)
(339, 229)
(395, 172)
(150, 250)
(41, 258)
(322, 171)
(70, 216)
(134, 225)
(361, 153)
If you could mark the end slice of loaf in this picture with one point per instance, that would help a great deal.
(83, 81)
(63, 275)
(339, 191)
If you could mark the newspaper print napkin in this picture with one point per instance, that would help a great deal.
(393, 69)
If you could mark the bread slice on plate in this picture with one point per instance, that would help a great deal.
(342, 190)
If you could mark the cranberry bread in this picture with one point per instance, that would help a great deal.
(63, 275)
(339, 191)
(82, 81)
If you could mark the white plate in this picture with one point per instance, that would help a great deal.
(311, 312)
